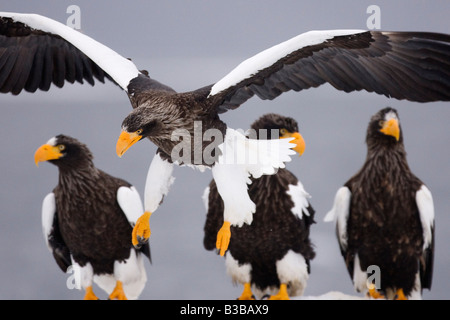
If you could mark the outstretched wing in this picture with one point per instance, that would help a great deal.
(403, 65)
(36, 51)
(52, 235)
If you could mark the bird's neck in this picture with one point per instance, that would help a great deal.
(388, 161)
(79, 179)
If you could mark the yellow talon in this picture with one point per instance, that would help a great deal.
(141, 231)
(118, 293)
(400, 295)
(90, 295)
(373, 293)
(282, 293)
(223, 238)
(247, 293)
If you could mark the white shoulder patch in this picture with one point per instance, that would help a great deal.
(425, 204)
(205, 198)
(130, 202)
(300, 198)
(119, 68)
(48, 213)
(157, 185)
(339, 213)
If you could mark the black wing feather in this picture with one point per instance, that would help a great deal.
(404, 65)
(426, 265)
(32, 59)
(214, 218)
(58, 247)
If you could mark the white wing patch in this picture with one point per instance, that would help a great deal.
(339, 213)
(269, 56)
(130, 202)
(425, 204)
(48, 214)
(300, 198)
(119, 68)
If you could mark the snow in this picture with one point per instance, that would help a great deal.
(331, 295)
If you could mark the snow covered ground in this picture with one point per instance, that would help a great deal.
(331, 295)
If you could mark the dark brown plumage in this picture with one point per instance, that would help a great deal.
(389, 222)
(275, 229)
(90, 225)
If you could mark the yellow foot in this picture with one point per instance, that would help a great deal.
(282, 293)
(141, 231)
(90, 295)
(373, 293)
(247, 293)
(400, 295)
(223, 238)
(118, 293)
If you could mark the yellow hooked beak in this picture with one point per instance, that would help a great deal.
(46, 152)
(126, 140)
(298, 140)
(391, 128)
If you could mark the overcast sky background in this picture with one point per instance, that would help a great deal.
(187, 45)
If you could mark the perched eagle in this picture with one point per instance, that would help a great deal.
(36, 51)
(272, 255)
(385, 218)
(87, 222)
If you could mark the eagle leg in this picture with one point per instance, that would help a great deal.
(373, 293)
(141, 231)
(118, 293)
(90, 295)
(400, 295)
(223, 238)
(282, 293)
(247, 294)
